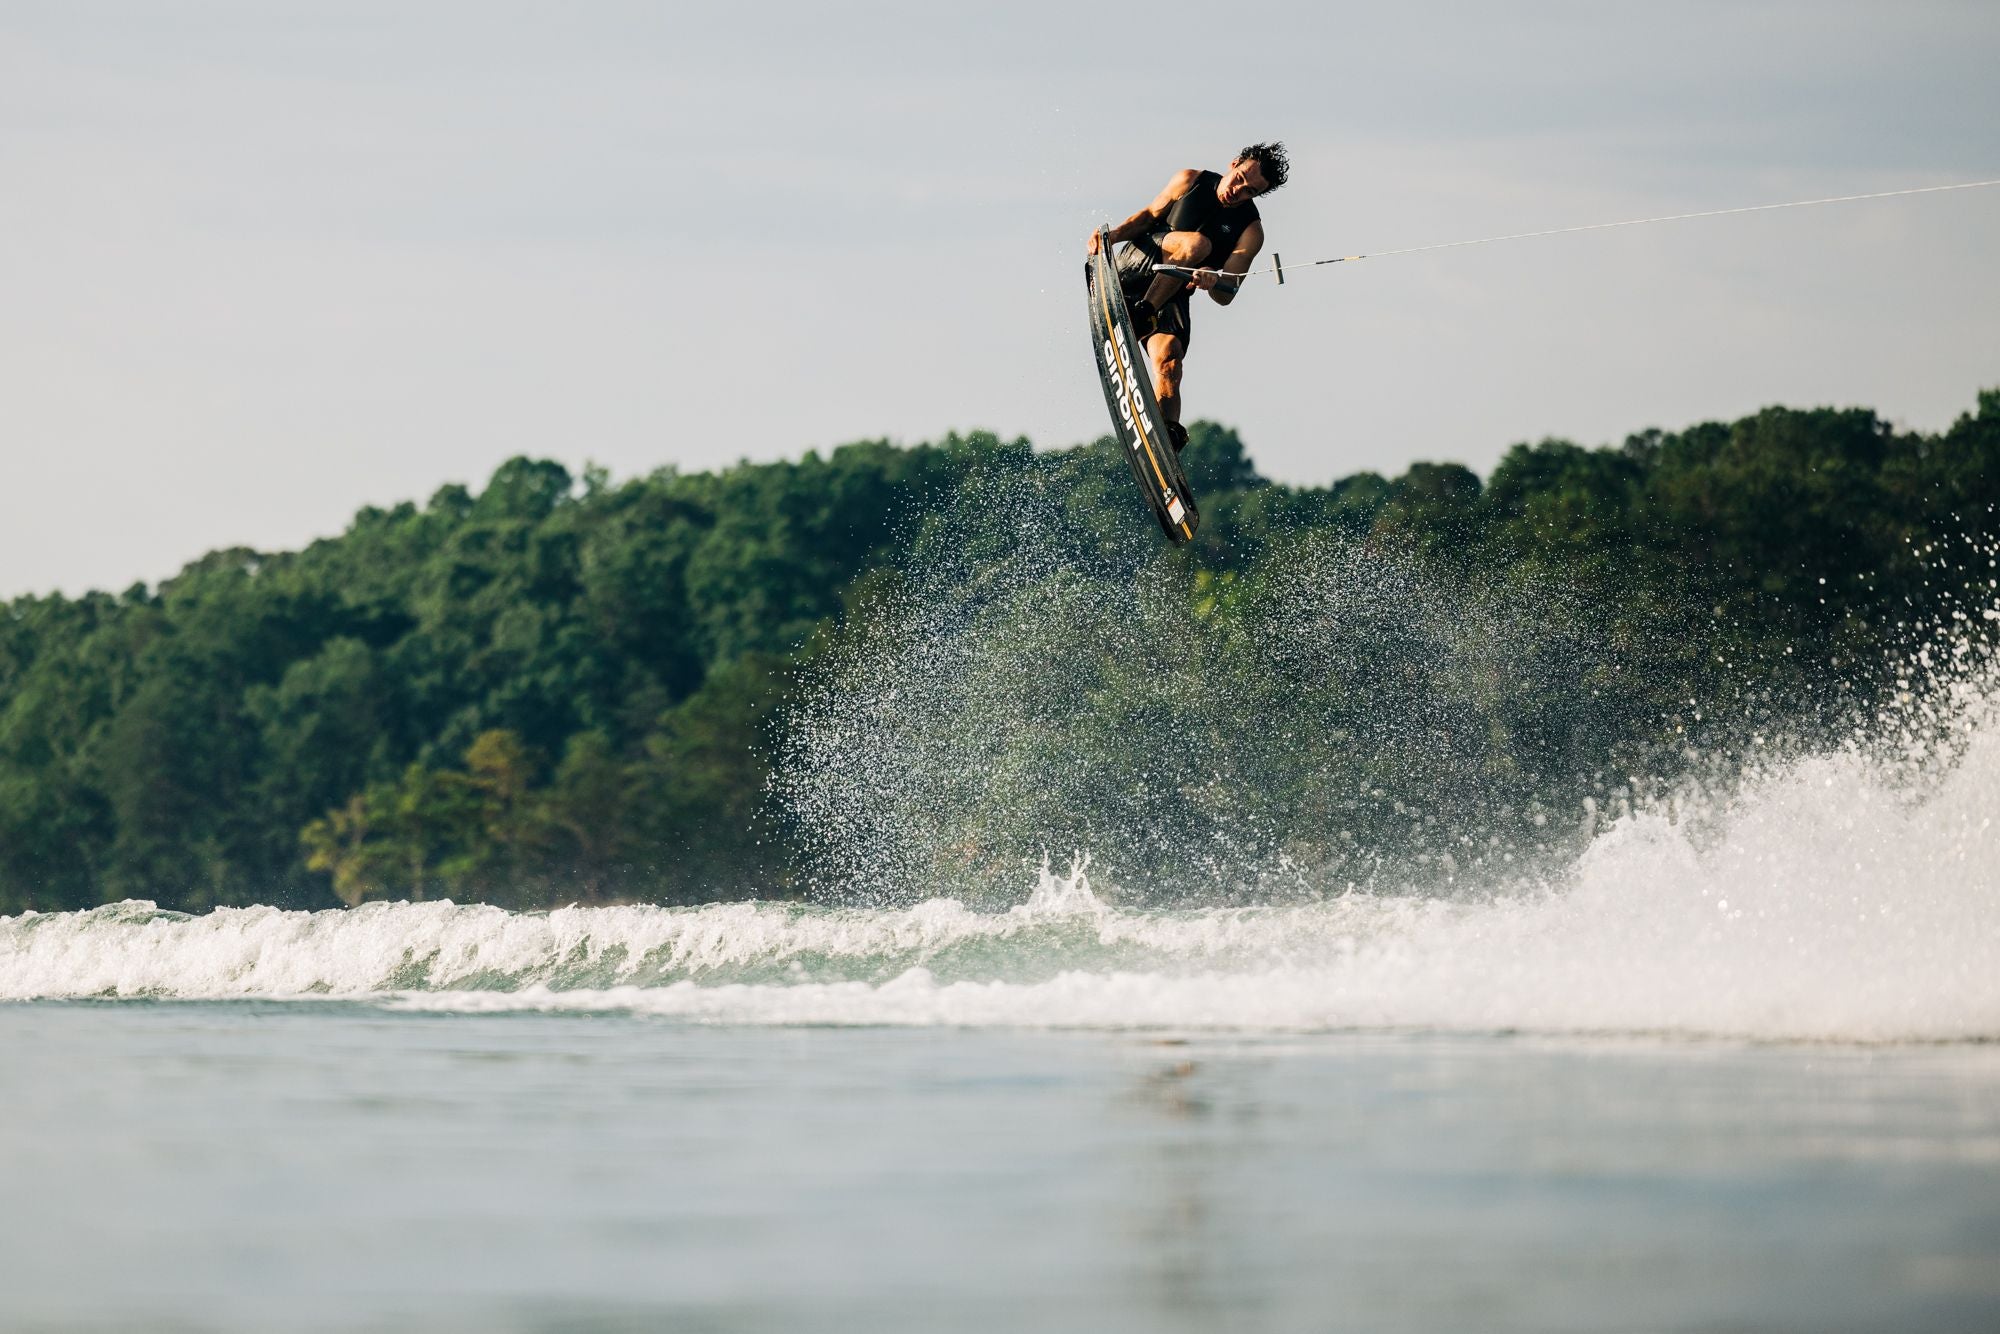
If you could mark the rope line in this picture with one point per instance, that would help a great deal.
(1277, 270)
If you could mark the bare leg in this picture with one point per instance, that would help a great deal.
(1186, 248)
(1164, 352)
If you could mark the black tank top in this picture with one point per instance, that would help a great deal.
(1200, 211)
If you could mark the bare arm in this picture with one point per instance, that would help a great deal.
(1148, 218)
(1238, 264)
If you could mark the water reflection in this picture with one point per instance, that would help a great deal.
(198, 1165)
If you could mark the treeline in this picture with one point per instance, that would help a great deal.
(568, 689)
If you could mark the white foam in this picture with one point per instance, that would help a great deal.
(1829, 899)
(1808, 917)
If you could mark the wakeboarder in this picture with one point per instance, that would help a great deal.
(1199, 218)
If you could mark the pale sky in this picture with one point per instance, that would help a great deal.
(267, 262)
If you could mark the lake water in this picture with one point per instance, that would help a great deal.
(1740, 1077)
(251, 1165)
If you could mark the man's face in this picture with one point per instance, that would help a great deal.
(1244, 180)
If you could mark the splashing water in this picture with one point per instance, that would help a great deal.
(1849, 895)
(1821, 901)
(1353, 721)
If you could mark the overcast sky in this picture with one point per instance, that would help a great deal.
(267, 262)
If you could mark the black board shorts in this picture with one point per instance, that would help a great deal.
(1135, 275)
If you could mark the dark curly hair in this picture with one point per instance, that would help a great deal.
(1271, 157)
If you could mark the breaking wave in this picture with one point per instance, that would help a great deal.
(1823, 900)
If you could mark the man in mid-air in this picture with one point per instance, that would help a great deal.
(1203, 220)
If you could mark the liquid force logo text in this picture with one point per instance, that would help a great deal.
(1118, 364)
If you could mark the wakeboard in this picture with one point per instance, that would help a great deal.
(1128, 393)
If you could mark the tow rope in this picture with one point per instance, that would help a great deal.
(1277, 268)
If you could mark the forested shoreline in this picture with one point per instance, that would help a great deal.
(573, 689)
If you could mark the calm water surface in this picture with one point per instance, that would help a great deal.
(258, 1165)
